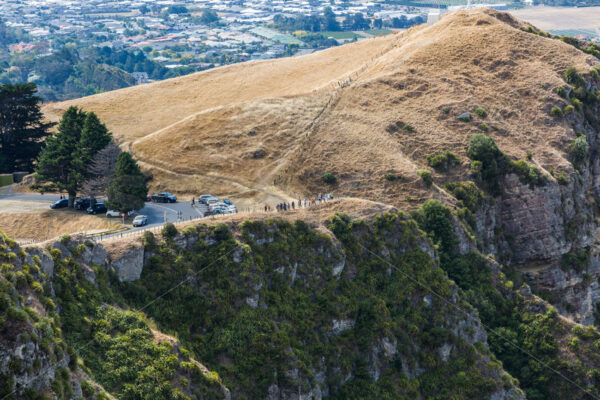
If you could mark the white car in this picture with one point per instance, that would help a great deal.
(222, 208)
(113, 214)
(140, 220)
(208, 199)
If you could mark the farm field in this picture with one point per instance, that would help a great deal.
(561, 18)
(345, 35)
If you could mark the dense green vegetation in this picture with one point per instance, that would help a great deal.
(127, 188)
(288, 268)
(518, 328)
(327, 22)
(489, 163)
(22, 129)
(443, 161)
(66, 156)
(278, 303)
(118, 348)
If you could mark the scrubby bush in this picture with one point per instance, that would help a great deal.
(577, 104)
(556, 111)
(578, 150)
(426, 177)
(487, 159)
(444, 161)
(577, 259)
(329, 178)
(87, 388)
(568, 110)
(169, 230)
(392, 177)
(189, 230)
(527, 173)
(561, 91)
(148, 239)
(572, 77)
(562, 178)
(64, 239)
(405, 127)
(483, 126)
(467, 192)
(481, 112)
(581, 93)
(489, 162)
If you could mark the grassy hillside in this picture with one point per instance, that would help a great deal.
(360, 111)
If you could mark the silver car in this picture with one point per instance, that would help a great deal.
(140, 220)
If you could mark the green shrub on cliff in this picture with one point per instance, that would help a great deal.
(578, 150)
(489, 163)
(443, 161)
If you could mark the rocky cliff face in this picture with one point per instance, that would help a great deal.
(543, 229)
(317, 266)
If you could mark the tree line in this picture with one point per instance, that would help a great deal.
(80, 157)
(327, 22)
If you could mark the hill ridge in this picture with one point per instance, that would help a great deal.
(279, 108)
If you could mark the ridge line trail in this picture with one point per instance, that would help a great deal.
(345, 81)
(264, 184)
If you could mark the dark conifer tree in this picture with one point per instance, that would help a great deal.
(64, 161)
(127, 188)
(22, 128)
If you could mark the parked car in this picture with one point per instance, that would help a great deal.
(208, 199)
(62, 203)
(82, 204)
(98, 208)
(222, 208)
(113, 214)
(140, 220)
(218, 211)
(163, 197)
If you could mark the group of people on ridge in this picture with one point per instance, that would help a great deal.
(301, 203)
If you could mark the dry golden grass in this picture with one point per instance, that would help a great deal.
(50, 224)
(140, 110)
(198, 134)
(470, 59)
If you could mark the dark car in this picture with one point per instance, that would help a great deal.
(163, 197)
(98, 208)
(82, 204)
(62, 203)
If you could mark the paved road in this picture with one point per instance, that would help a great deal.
(156, 213)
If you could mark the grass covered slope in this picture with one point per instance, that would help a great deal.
(274, 128)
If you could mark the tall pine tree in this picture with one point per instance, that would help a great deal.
(22, 129)
(64, 161)
(127, 188)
